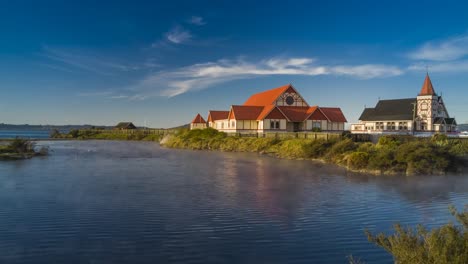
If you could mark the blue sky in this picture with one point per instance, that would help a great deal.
(101, 62)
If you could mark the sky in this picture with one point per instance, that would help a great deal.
(159, 63)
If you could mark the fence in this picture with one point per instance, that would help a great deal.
(278, 135)
(131, 131)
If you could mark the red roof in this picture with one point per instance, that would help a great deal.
(246, 112)
(316, 114)
(198, 120)
(427, 88)
(295, 113)
(214, 115)
(333, 114)
(267, 97)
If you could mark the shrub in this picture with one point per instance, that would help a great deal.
(383, 160)
(339, 148)
(358, 160)
(20, 145)
(446, 244)
(423, 158)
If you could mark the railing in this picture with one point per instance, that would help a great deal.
(131, 131)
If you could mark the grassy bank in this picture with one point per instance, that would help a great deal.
(391, 155)
(20, 149)
(106, 135)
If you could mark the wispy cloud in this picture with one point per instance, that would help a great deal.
(450, 66)
(68, 60)
(178, 35)
(443, 50)
(197, 20)
(205, 75)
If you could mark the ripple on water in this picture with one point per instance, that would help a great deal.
(134, 202)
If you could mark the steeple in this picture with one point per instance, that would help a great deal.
(427, 88)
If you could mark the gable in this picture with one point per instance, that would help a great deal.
(317, 115)
(290, 97)
(275, 114)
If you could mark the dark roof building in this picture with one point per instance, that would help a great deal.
(425, 113)
(125, 125)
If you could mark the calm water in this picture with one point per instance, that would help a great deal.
(134, 202)
(30, 134)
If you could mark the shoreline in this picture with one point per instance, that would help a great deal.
(383, 158)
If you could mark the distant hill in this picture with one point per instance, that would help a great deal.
(182, 126)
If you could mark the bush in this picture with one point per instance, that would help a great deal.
(19, 145)
(339, 148)
(358, 160)
(423, 158)
(446, 244)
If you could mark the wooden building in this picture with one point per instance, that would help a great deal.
(125, 125)
(198, 122)
(280, 109)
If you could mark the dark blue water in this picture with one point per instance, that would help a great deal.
(134, 202)
(29, 134)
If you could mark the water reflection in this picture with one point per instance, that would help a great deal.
(134, 202)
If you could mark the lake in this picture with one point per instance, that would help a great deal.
(135, 202)
(29, 134)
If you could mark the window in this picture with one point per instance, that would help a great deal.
(316, 124)
(274, 124)
(379, 126)
(402, 126)
(423, 126)
(390, 125)
(233, 124)
(222, 125)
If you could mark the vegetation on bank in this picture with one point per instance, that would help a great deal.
(21, 149)
(105, 135)
(444, 245)
(391, 155)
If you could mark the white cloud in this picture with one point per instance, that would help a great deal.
(197, 20)
(450, 66)
(205, 75)
(86, 61)
(178, 35)
(445, 50)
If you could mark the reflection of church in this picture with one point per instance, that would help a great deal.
(425, 113)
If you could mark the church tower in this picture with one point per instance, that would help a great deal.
(429, 107)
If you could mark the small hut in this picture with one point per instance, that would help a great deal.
(198, 122)
(125, 125)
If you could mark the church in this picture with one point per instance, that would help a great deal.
(425, 114)
(280, 109)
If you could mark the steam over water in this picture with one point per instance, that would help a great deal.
(135, 202)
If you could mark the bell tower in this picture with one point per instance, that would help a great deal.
(429, 107)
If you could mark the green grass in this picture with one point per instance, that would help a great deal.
(391, 155)
(107, 135)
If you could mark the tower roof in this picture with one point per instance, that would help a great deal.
(427, 88)
(198, 120)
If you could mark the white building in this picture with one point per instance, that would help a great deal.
(424, 114)
(281, 109)
(198, 122)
